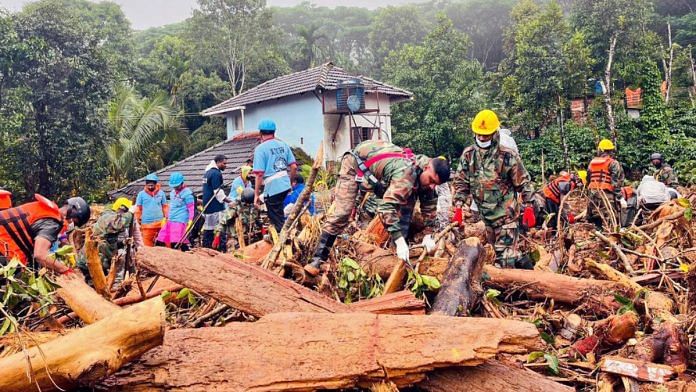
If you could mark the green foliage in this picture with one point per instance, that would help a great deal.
(420, 284)
(392, 29)
(355, 284)
(448, 91)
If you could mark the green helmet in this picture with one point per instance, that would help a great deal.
(247, 195)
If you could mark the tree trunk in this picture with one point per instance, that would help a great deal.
(86, 355)
(83, 300)
(96, 271)
(591, 294)
(401, 302)
(611, 122)
(668, 70)
(245, 287)
(460, 286)
(302, 351)
(492, 376)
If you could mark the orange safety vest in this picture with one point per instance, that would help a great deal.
(600, 176)
(16, 235)
(627, 192)
(552, 191)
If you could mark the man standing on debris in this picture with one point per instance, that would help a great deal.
(213, 198)
(181, 213)
(28, 231)
(275, 166)
(663, 172)
(398, 178)
(151, 209)
(606, 178)
(494, 177)
(247, 213)
(549, 198)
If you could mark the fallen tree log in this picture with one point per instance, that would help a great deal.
(83, 300)
(594, 295)
(492, 376)
(248, 288)
(378, 261)
(88, 354)
(96, 271)
(640, 370)
(460, 286)
(401, 302)
(302, 351)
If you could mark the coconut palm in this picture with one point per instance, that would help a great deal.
(145, 131)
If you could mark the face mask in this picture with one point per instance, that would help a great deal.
(483, 144)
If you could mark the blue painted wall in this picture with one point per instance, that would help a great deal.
(299, 120)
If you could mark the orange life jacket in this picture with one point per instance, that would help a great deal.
(552, 191)
(600, 176)
(16, 235)
(627, 192)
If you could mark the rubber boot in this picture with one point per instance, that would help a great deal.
(321, 254)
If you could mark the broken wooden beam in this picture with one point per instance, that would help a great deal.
(304, 351)
(245, 287)
(460, 285)
(640, 370)
(86, 355)
(592, 294)
(401, 302)
(492, 376)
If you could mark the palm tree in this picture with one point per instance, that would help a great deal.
(145, 131)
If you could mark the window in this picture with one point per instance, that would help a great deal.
(360, 134)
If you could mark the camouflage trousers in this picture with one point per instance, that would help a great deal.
(505, 240)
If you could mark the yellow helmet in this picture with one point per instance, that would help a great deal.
(485, 123)
(122, 202)
(582, 175)
(606, 145)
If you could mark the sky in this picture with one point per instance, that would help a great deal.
(151, 13)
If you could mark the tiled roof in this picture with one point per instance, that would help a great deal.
(237, 151)
(323, 77)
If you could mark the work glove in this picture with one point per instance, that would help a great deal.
(571, 218)
(68, 271)
(623, 204)
(429, 243)
(288, 209)
(163, 222)
(216, 241)
(528, 218)
(458, 216)
(402, 250)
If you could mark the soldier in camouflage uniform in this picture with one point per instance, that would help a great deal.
(662, 171)
(605, 180)
(397, 178)
(245, 210)
(495, 177)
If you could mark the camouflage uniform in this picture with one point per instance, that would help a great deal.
(494, 178)
(598, 206)
(666, 175)
(112, 231)
(399, 191)
(251, 222)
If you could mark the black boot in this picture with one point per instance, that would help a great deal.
(321, 254)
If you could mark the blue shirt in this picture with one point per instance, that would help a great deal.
(236, 184)
(295, 194)
(212, 181)
(178, 208)
(152, 205)
(271, 158)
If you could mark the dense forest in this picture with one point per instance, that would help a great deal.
(87, 103)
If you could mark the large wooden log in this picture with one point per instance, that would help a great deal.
(591, 294)
(248, 288)
(96, 271)
(303, 351)
(87, 354)
(83, 300)
(401, 302)
(460, 287)
(492, 376)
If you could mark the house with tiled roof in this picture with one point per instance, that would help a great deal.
(312, 105)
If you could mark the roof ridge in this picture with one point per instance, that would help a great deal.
(377, 82)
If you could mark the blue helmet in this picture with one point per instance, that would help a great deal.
(267, 126)
(176, 179)
(152, 177)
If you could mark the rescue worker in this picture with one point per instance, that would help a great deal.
(605, 180)
(494, 177)
(274, 167)
(298, 185)
(151, 209)
(398, 179)
(663, 172)
(240, 183)
(181, 213)
(249, 216)
(5, 199)
(28, 230)
(628, 214)
(652, 193)
(113, 229)
(214, 198)
(551, 196)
